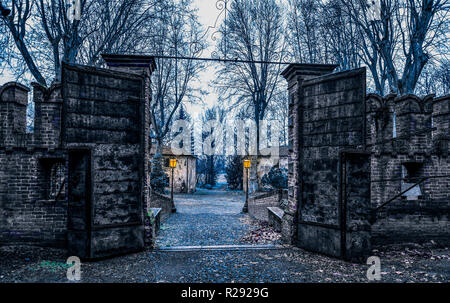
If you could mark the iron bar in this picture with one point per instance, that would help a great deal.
(399, 195)
(219, 60)
(171, 194)
(60, 189)
(245, 208)
(412, 178)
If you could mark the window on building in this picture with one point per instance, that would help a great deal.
(410, 176)
(54, 170)
(57, 181)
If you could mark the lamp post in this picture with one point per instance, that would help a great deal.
(4, 11)
(247, 164)
(173, 164)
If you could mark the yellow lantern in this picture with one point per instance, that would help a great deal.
(247, 163)
(173, 163)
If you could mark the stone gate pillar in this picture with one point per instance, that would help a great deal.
(329, 169)
(295, 74)
(106, 132)
(441, 120)
(141, 65)
(13, 107)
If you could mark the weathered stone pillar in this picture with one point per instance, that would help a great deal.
(329, 185)
(145, 66)
(295, 74)
(105, 130)
(48, 109)
(441, 148)
(379, 121)
(441, 120)
(411, 122)
(13, 109)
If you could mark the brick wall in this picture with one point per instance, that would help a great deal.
(158, 200)
(322, 122)
(28, 215)
(404, 220)
(13, 106)
(48, 107)
(77, 118)
(413, 221)
(258, 203)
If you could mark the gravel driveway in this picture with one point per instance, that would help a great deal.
(215, 218)
(404, 264)
(207, 217)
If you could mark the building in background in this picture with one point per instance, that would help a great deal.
(264, 163)
(185, 173)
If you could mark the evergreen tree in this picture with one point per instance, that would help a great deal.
(276, 177)
(211, 170)
(158, 178)
(234, 172)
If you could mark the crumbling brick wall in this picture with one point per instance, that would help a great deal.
(28, 213)
(419, 149)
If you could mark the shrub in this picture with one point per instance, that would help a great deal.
(158, 178)
(234, 172)
(276, 178)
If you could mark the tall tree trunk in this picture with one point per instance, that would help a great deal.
(26, 56)
(57, 61)
(159, 145)
(253, 170)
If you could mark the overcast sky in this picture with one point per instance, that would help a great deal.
(208, 14)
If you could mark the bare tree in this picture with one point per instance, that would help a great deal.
(304, 32)
(254, 32)
(340, 36)
(18, 23)
(435, 79)
(213, 161)
(278, 116)
(60, 31)
(121, 27)
(405, 35)
(321, 32)
(105, 26)
(178, 34)
(45, 27)
(4, 41)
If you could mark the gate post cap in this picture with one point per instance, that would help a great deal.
(307, 71)
(133, 61)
